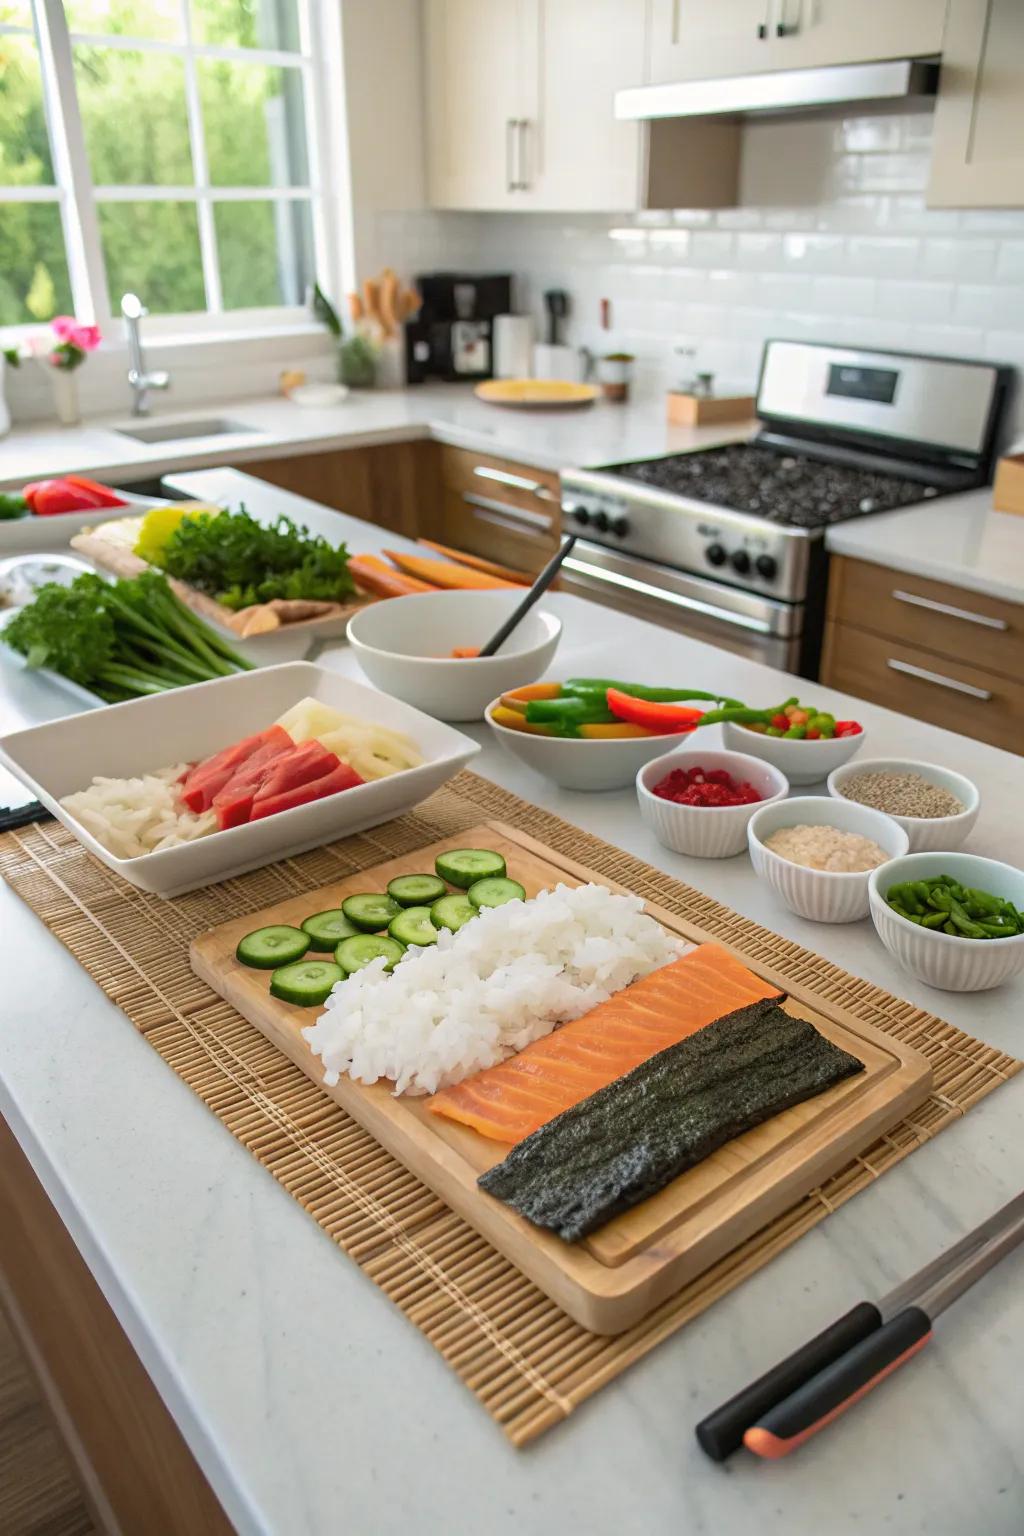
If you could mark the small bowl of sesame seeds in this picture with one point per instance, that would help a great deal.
(935, 806)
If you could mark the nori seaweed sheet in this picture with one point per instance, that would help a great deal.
(631, 1138)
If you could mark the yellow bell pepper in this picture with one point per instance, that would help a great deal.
(619, 731)
(158, 525)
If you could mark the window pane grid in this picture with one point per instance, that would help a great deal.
(243, 74)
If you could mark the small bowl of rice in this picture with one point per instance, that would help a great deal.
(936, 807)
(817, 854)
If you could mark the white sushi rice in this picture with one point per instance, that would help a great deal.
(476, 996)
(140, 815)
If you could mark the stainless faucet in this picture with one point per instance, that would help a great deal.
(133, 310)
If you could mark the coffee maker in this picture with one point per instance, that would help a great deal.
(452, 336)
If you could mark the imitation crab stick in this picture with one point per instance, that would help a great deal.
(510, 1101)
(441, 573)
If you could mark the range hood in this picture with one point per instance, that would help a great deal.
(783, 90)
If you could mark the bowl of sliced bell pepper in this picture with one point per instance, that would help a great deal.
(595, 733)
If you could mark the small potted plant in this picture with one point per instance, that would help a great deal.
(614, 373)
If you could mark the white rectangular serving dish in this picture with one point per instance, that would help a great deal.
(187, 724)
(32, 535)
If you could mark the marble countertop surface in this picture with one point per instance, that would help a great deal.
(550, 439)
(313, 1406)
(956, 539)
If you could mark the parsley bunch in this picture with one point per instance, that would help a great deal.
(238, 561)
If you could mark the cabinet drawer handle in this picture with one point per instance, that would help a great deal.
(517, 482)
(952, 683)
(510, 140)
(949, 610)
(522, 184)
(505, 516)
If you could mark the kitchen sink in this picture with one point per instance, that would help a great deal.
(178, 431)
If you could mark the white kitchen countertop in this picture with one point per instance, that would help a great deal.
(550, 439)
(957, 539)
(313, 1406)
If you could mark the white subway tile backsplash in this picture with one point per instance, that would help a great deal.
(832, 241)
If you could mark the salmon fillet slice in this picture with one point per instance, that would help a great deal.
(511, 1101)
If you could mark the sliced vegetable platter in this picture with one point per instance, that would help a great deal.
(36, 533)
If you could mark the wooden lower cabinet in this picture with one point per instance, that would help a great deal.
(933, 651)
(394, 485)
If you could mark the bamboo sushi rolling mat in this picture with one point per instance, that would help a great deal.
(527, 1362)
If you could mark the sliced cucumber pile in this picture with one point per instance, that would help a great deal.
(452, 912)
(370, 912)
(327, 929)
(267, 948)
(413, 926)
(352, 954)
(495, 892)
(464, 866)
(307, 983)
(417, 890)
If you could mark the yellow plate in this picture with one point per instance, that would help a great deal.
(559, 394)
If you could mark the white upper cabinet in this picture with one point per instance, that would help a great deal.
(697, 39)
(520, 103)
(475, 70)
(978, 145)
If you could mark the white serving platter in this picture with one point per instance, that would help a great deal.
(31, 535)
(188, 724)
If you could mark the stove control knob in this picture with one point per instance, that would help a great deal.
(740, 562)
(581, 516)
(767, 566)
(601, 522)
(620, 527)
(715, 555)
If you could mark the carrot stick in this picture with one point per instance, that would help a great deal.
(448, 575)
(476, 563)
(374, 576)
(522, 696)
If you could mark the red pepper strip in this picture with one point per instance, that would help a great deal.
(664, 719)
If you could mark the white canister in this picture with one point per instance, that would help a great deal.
(513, 346)
(551, 361)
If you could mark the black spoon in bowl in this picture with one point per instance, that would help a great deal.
(538, 589)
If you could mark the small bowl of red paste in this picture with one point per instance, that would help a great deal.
(698, 801)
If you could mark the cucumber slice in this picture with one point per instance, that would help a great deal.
(495, 892)
(307, 983)
(417, 890)
(452, 912)
(462, 866)
(327, 929)
(267, 948)
(413, 926)
(371, 912)
(352, 954)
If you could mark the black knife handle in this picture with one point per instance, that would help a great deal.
(814, 1405)
(722, 1431)
(23, 816)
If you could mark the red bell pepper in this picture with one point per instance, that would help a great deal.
(848, 728)
(663, 719)
(341, 777)
(102, 494)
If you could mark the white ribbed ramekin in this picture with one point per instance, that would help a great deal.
(954, 965)
(924, 832)
(822, 895)
(706, 832)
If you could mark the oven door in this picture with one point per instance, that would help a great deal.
(746, 623)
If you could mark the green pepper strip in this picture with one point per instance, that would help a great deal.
(585, 686)
(738, 714)
(964, 923)
(574, 712)
(933, 920)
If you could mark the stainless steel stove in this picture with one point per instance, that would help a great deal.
(727, 543)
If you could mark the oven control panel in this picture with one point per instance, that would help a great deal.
(730, 547)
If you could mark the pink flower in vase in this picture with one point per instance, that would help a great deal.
(73, 342)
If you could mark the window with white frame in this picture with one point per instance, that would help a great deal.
(163, 147)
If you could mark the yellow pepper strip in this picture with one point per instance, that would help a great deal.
(514, 721)
(620, 731)
(531, 691)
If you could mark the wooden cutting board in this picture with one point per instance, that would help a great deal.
(618, 1274)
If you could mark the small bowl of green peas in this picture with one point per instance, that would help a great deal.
(954, 920)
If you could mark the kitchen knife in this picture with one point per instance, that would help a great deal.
(722, 1432)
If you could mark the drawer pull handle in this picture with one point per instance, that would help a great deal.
(517, 482)
(936, 677)
(507, 516)
(949, 610)
(597, 576)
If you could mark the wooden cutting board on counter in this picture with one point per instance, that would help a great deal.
(621, 1272)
